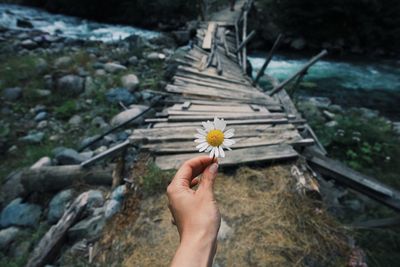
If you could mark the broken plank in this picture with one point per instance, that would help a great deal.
(208, 39)
(236, 157)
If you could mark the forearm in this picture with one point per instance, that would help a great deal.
(195, 252)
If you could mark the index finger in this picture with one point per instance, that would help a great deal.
(191, 169)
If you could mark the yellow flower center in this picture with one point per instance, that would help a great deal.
(215, 138)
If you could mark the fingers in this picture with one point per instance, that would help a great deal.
(190, 169)
(208, 178)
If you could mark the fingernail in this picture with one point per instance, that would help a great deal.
(214, 168)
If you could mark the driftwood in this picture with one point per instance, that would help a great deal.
(55, 178)
(50, 245)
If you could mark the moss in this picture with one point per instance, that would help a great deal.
(66, 110)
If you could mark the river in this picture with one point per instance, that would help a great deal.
(349, 82)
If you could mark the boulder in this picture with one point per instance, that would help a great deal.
(130, 82)
(23, 23)
(119, 193)
(298, 43)
(155, 56)
(117, 95)
(127, 115)
(133, 60)
(42, 92)
(62, 62)
(331, 124)
(72, 85)
(396, 127)
(33, 138)
(69, 156)
(41, 65)
(12, 94)
(43, 162)
(75, 121)
(29, 44)
(114, 67)
(58, 205)
(41, 116)
(87, 228)
(7, 236)
(11, 188)
(20, 214)
(320, 102)
(112, 207)
(95, 199)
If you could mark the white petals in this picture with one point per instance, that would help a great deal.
(228, 142)
(201, 131)
(221, 152)
(204, 146)
(229, 133)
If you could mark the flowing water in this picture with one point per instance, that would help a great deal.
(67, 26)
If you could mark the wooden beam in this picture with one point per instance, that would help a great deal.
(245, 42)
(299, 72)
(377, 223)
(353, 179)
(208, 39)
(268, 59)
(50, 245)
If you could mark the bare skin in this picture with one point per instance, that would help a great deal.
(195, 213)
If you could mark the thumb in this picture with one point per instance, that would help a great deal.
(208, 178)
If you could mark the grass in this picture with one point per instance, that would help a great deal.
(155, 181)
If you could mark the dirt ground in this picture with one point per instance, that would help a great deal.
(266, 223)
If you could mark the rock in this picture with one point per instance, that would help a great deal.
(29, 44)
(76, 120)
(62, 62)
(22, 23)
(100, 73)
(95, 199)
(20, 214)
(12, 94)
(11, 187)
(7, 236)
(58, 205)
(129, 114)
(328, 115)
(225, 231)
(117, 95)
(34, 138)
(72, 85)
(320, 102)
(112, 207)
(133, 60)
(100, 150)
(114, 67)
(42, 92)
(90, 139)
(354, 205)
(99, 122)
(298, 43)
(396, 127)
(69, 156)
(21, 250)
(43, 162)
(369, 113)
(87, 228)
(130, 82)
(41, 65)
(155, 56)
(41, 116)
(119, 193)
(331, 124)
(90, 86)
(336, 109)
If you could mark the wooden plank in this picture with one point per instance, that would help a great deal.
(353, 179)
(208, 39)
(378, 223)
(226, 108)
(50, 245)
(292, 138)
(165, 124)
(188, 132)
(215, 76)
(227, 117)
(223, 114)
(235, 157)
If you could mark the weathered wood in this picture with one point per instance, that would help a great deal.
(236, 157)
(249, 123)
(55, 178)
(244, 36)
(268, 59)
(50, 245)
(378, 223)
(353, 179)
(226, 46)
(299, 72)
(208, 39)
(246, 41)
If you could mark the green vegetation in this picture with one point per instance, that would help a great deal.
(155, 181)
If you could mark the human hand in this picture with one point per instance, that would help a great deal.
(195, 213)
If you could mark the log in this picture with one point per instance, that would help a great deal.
(55, 178)
(50, 245)
(246, 41)
(299, 72)
(268, 59)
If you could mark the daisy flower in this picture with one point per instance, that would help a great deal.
(213, 138)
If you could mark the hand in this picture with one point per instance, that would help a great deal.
(195, 213)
